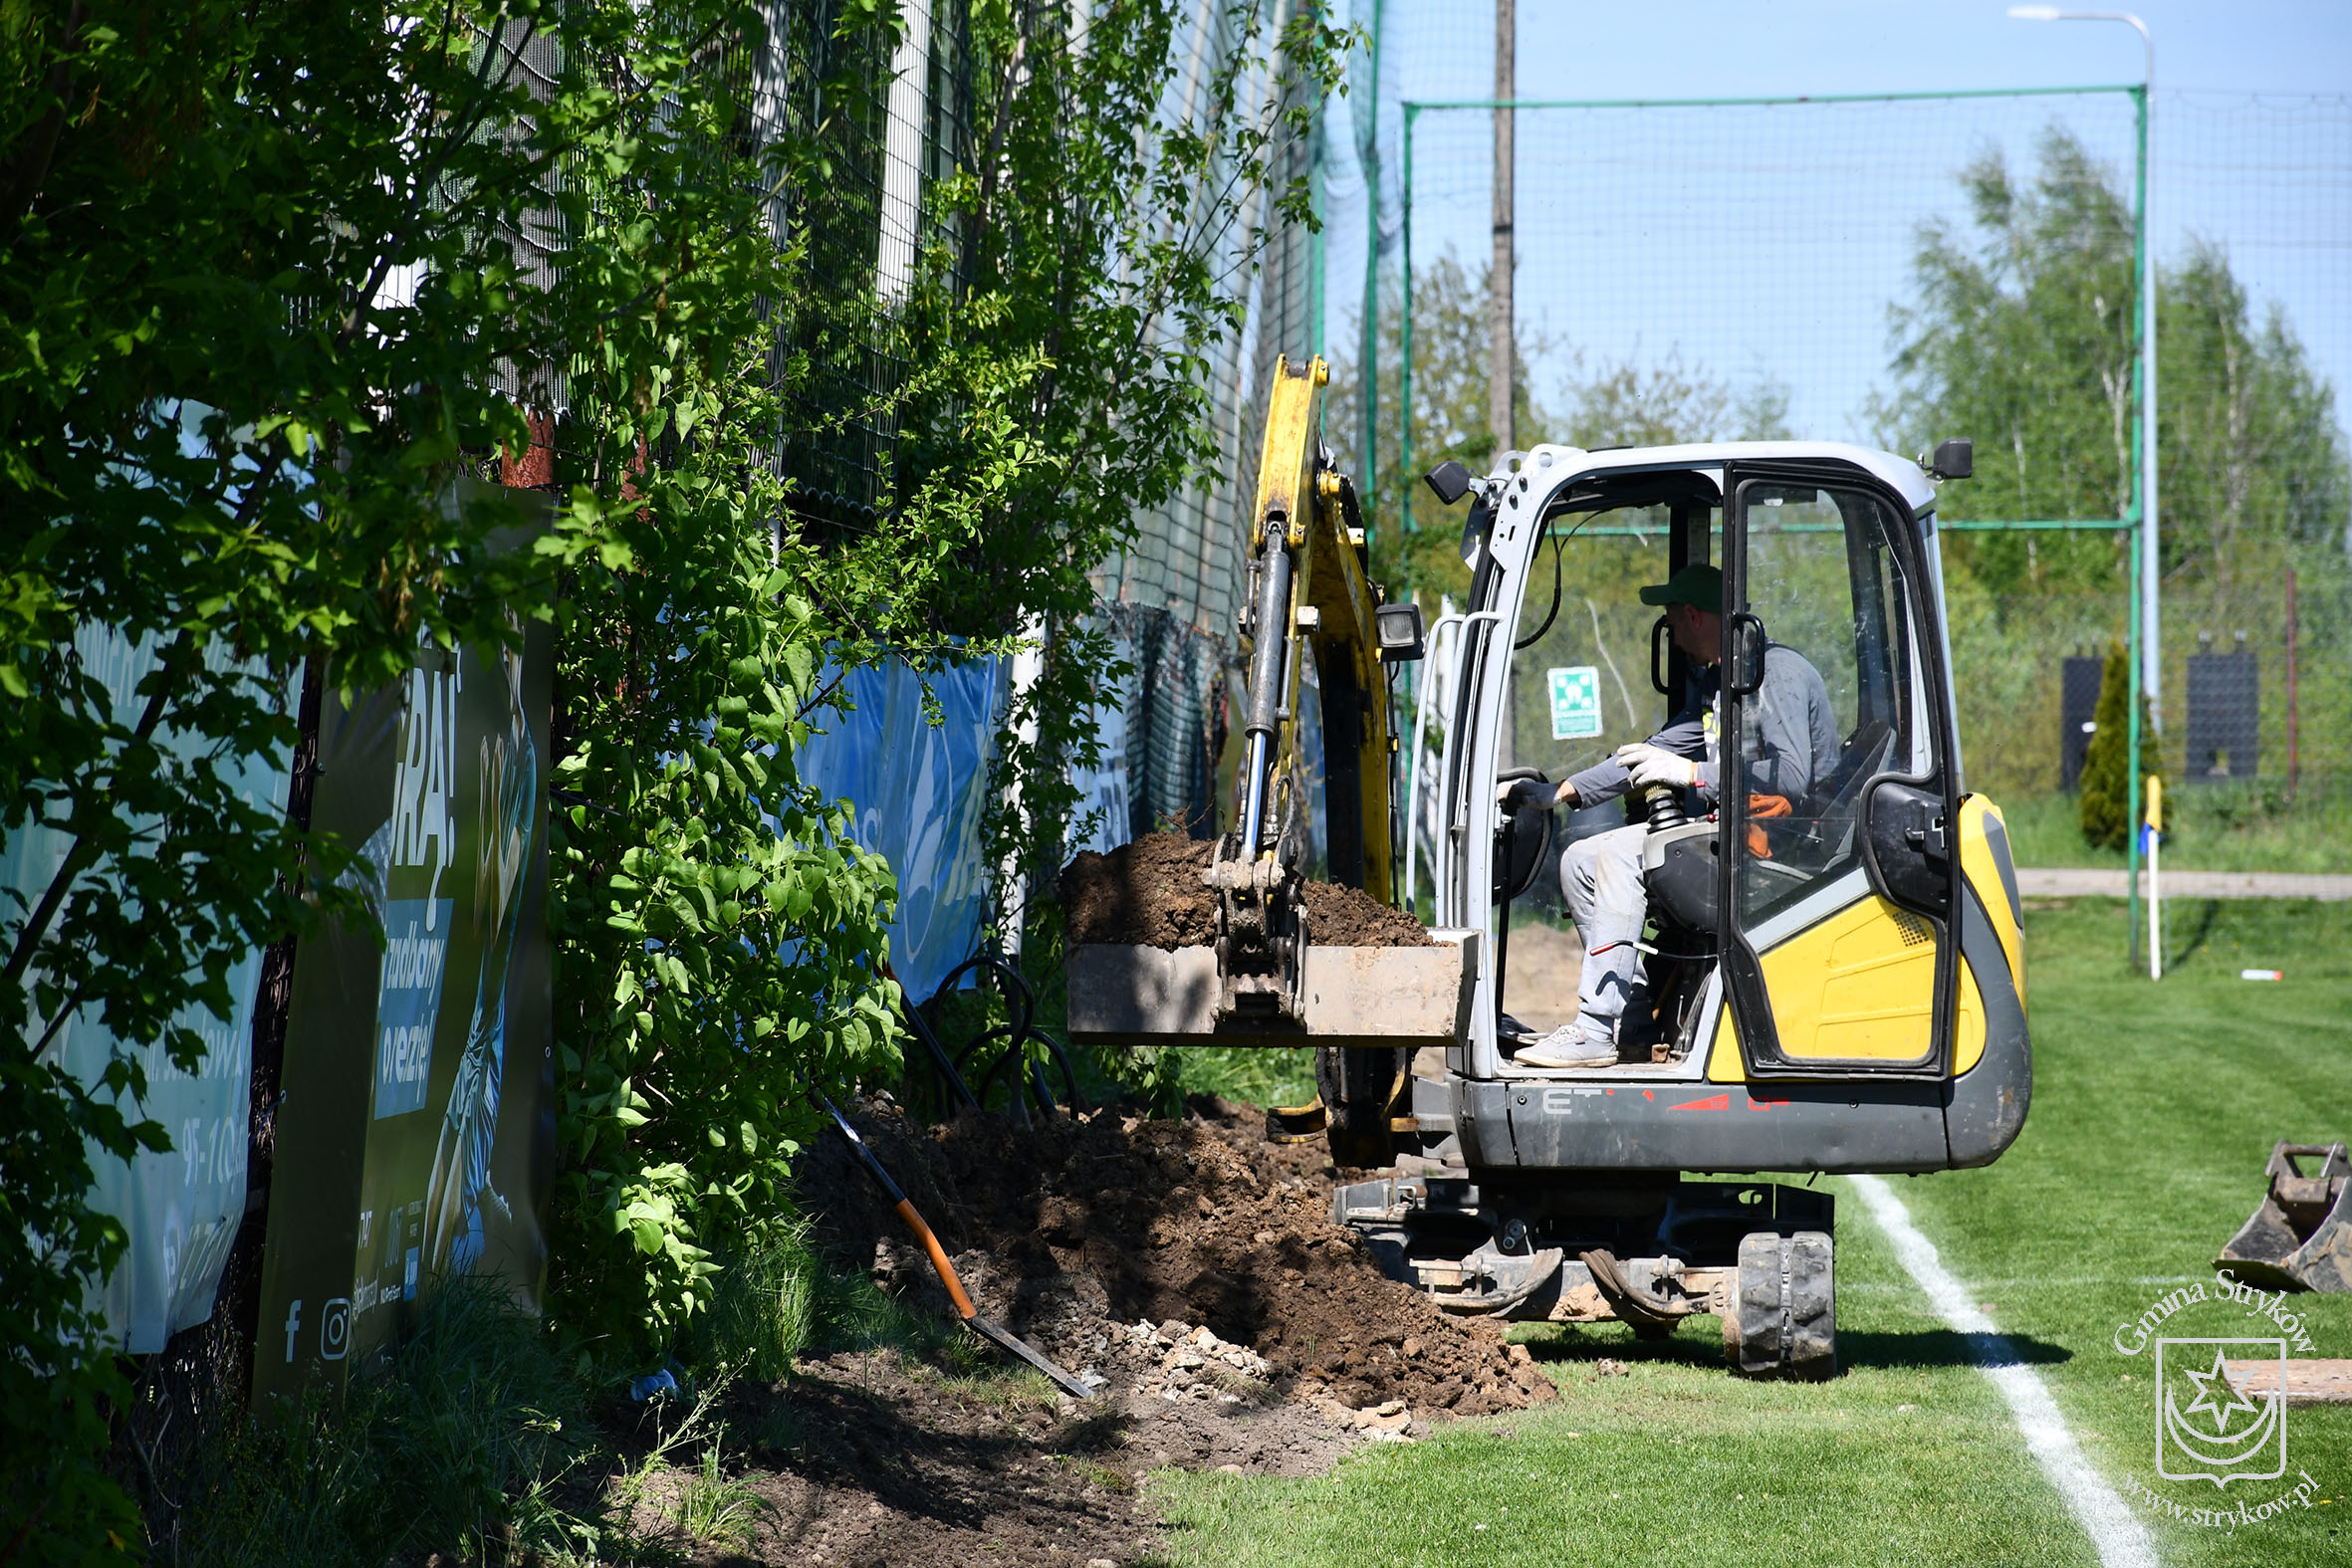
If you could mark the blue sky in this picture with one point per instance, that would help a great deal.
(1771, 243)
(1708, 47)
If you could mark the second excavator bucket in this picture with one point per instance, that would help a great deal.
(2300, 1238)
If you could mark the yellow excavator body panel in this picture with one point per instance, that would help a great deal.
(1860, 986)
(1989, 874)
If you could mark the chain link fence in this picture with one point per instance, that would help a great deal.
(1889, 271)
(1174, 591)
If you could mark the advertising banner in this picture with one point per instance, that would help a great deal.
(179, 1209)
(416, 1133)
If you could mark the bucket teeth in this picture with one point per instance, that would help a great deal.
(2300, 1235)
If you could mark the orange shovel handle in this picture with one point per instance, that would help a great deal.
(947, 1270)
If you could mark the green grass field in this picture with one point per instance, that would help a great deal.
(2245, 827)
(2154, 1109)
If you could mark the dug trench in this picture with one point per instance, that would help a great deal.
(1188, 1268)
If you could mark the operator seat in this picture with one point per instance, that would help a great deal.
(1825, 837)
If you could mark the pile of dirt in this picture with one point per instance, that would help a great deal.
(1110, 1242)
(1349, 917)
(1148, 893)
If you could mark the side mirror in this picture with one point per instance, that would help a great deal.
(1745, 660)
(1450, 480)
(1399, 629)
(1954, 459)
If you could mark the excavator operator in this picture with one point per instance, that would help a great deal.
(1795, 746)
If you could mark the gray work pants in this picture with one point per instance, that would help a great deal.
(1600, 877)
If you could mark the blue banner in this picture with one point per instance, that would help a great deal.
(917, 792)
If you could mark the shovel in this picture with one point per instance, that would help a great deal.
(993, 1332)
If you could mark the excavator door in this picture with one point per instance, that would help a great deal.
(1839, 842)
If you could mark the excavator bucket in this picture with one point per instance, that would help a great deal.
(2300, 1238)
(1369, 996)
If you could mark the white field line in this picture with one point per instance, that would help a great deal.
(2040, 1281)
(2121, 1540)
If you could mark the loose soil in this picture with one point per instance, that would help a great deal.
(1349, 917)
(1073, 1231)
(1188, 1269)
(1148, 893)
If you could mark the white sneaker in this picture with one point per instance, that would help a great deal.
(1568, 1047)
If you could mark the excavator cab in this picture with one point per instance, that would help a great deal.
(1842, 917)
(1834, 954)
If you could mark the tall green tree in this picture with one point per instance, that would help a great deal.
(261, 300)
(2255, 460)
(2022, 336)
(2022, 333)
(1075, 259)
(1584, 403)
(278, 278)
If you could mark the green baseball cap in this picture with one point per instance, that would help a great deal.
(1697, 584)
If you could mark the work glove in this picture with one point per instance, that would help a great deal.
(1654, 764)
(1524, 794)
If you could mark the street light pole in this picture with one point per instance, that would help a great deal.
(2151, 645)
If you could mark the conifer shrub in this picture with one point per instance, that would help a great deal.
(2104, 807)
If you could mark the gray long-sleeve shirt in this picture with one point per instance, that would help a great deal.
(1795, 748)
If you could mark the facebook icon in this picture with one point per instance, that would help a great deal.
(292, 1326)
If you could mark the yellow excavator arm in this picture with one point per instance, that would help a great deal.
(1264, 979)
(1310, 597)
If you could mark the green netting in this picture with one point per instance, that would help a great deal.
(1890, 271)
(865, 228)
(1175, 589)
(1720, 271)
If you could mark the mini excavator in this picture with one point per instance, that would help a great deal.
(1833, 984)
